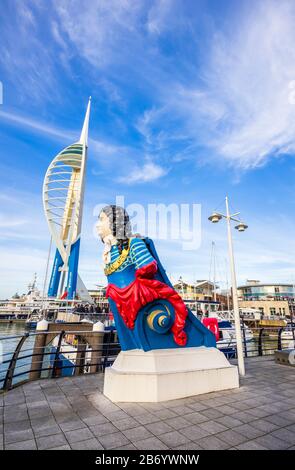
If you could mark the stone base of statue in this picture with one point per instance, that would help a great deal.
(168, 374)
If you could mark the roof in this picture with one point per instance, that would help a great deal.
(269, 284)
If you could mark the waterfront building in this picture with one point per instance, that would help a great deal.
(198, 296)
(98, 295)
(272, 300)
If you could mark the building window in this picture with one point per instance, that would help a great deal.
(277, 289)
(272, 311)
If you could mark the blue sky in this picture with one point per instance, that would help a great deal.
(190, 102)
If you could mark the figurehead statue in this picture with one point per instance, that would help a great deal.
(148, 312)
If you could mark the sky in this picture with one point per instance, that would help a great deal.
(191, 101)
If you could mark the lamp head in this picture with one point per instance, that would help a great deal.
(215, 217)
(241, 227)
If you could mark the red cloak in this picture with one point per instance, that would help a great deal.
(144, 289)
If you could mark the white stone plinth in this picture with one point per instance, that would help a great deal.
(168, 374)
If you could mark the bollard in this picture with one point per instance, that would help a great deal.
(80, 356)
(38, 351)
(96, 340)
(260, 352)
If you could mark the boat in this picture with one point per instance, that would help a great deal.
(288, 332)
(33, 319)
(225, 333)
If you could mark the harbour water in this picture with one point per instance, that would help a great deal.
(13, 331)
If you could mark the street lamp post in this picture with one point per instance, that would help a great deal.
(241, 227)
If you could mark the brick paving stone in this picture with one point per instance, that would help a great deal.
(72, 424)
(127, 447)
(285, 434)
(103, 429)
(18, 436)
(213, 427)
(198, 406)
(49, 442)
(90, 444)
(241, 406)
(249, 431)
(133, 409)
(95, 419)
(152, 443)
(159, 428)
(243, 416)
(116, 415)
(137, 434)
(114, 440)
(189, 446)
(165, 414)
(279, 420)
(227, 409)
(194, 432)
(126, 423)
(250, 445)
(46, 430)
(147, 418)
(272, 442)
(173, 439)
(23, 445)
(17, 426)
(264, 425)
(196, 418)
(232, 437)
(78, 435)
(212, 413)
(213, 443)
(291, 427)
(64, 447)
(181, 410)
(14, 399)
(229, 421)
(178, 422)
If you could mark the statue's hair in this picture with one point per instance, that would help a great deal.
(119, 224)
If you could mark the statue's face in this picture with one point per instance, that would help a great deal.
(103, 225)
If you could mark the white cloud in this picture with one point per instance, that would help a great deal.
(248, 77)
(242, 111)
(9, 222)
(66, 136)
(160, 16)
(237, 103)
(37, 126)
(103, 29)
(148, 172)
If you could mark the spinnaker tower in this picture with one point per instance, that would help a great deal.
(63, 194)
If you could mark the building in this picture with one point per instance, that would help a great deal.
(198, 296)
(201, 290)
(270, 299)
(98, 295)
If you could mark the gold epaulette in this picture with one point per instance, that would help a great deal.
(112, 267)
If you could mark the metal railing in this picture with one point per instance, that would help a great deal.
(57, 357)
(265, 340)
(33, 357)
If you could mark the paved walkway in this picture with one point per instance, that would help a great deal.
(72, 413)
